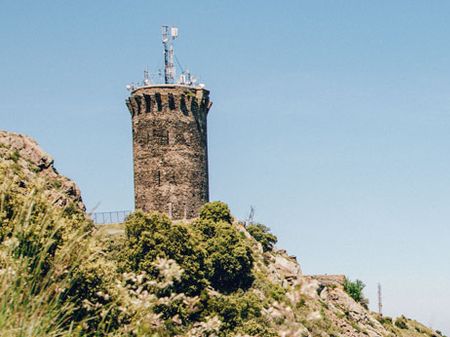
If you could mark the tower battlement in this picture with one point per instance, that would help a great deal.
(158, 98)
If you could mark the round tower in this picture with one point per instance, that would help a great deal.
(169, 123)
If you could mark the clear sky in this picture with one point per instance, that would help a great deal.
(331, 118)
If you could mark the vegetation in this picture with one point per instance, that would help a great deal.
(210, 252)
(355, 290)
(400, 322)
(161, 279)
(261, 233)
(42, 259)
(216, 211)
(60, 277)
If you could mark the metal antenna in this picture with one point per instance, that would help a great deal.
(168, 35)
(380, 303)
(251, 216)
(146, 77)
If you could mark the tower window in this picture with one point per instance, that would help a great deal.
(161, 136)
(180, 139)
(183, 105)
(171, 102)
(138, 100)
(194, 105)
(171, 178)
(157, 178)
(148, 103)
(158, 101)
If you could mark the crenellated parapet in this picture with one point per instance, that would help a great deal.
(154, 99)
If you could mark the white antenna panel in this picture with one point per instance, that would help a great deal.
(174, 32)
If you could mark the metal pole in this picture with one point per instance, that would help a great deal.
(165, 41)
(380, 303)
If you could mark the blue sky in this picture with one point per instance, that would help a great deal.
(331, 118)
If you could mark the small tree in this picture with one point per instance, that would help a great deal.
(152, 235)
(229, 258)
(216, 211)
(355, 290)
(261, 233)
(400, 322)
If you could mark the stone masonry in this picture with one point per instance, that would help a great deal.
(170, 151)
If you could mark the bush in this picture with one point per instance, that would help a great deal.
(153, 235)
(216, 211)
(43, 251)
(229, 258)
(355, 290)
(385, 320)
(234, 309)
(262, 234)
(210, 250)
(400, 322)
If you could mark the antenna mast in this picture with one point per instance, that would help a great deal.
(380, 303)
(251, 216)
(168, 35)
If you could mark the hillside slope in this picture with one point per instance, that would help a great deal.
(209, 277)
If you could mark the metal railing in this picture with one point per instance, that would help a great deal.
(105, 218)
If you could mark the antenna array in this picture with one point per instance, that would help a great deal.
(169, 34)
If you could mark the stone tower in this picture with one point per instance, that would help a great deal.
(170, 148)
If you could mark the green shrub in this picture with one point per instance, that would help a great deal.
(261, 233)
(153, 235)
(400, 322)
(355, 290)
(14, 156)
(42, 249)
(216, 211)
(385, 320)
(210, 252)
(234, 309)
(257, 327)
(229, 259)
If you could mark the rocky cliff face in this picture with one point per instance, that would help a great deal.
(23, 160)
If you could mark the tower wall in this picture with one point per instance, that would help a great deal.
(169, 124)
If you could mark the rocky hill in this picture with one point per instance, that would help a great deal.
(23, 160)
(210, 277)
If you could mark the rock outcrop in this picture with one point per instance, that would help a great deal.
(30, 164)
(318, 305)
